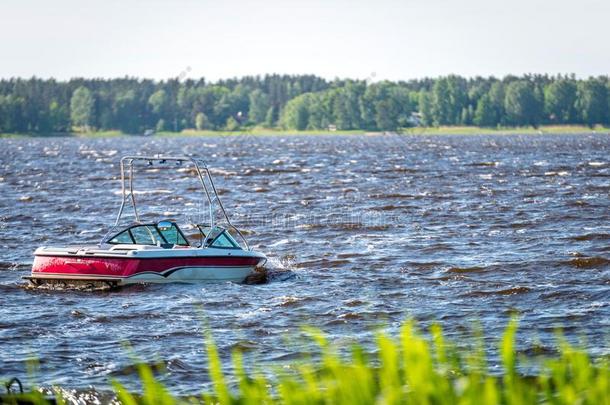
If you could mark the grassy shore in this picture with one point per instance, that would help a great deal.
(93, 134)
(259, 131)
(545, 129)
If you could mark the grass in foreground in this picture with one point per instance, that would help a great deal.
(408, 369)
(405, 370)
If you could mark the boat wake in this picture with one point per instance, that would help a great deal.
(275, 270)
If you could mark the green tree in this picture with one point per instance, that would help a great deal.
(367, 105)
(467, 115)
(497, 95)
(270, 118)
(485, 114)
(457, 92)
(259, 105)
(393, 109)
(385, 115)
(301, 116)
(342, 110)
(560, 101)
(477, 89)
(403, 106)
(82, 107)
(131, 105)
(441, 103)
(162, 109)
(59, 119)
(159, 102)
(425, 108)
(346, 103)
(239, 100)
(319, 115)
(222, 103)
(126, 110)
(4, 122)
(296, 115)
(592, 102)
(201, 121)
(385, 106)
(11, 114)
(232, 124)
(160, 127)
(523, 103)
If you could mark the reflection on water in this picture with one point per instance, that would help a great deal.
(361, 231)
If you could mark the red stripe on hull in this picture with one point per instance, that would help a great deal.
(119, 267)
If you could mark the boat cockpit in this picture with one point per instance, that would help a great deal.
(167, 235)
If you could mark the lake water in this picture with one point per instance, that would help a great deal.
(362, 232)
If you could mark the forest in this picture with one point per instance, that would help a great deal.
(298, 102)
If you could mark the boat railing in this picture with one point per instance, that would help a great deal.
(205, 178)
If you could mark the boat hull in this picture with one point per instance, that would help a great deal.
(130, 270)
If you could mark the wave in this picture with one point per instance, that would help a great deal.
(392, 207)
(482, 164)
(591, 236)
(8, 265)
(270, 171)
(437, 247)
(324, 263)
(350, 316)
(588, 262)
(460, 270)
(390, 195)
(348, 226)
(505, 291)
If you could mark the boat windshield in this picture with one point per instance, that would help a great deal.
(150, 234)
(218, 237)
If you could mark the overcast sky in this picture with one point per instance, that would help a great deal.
(378, 39)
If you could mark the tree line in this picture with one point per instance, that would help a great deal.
(299, 102)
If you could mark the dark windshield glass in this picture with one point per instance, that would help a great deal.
(172, 235)
(146, 235)
(150, 235)
(223, 241)
(122, 238)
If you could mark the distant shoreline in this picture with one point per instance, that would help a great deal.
(444, 130)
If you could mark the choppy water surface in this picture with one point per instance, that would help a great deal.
(362, 231)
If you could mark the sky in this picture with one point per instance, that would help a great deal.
(373, 40)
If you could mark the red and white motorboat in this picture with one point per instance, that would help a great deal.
(154, 252)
